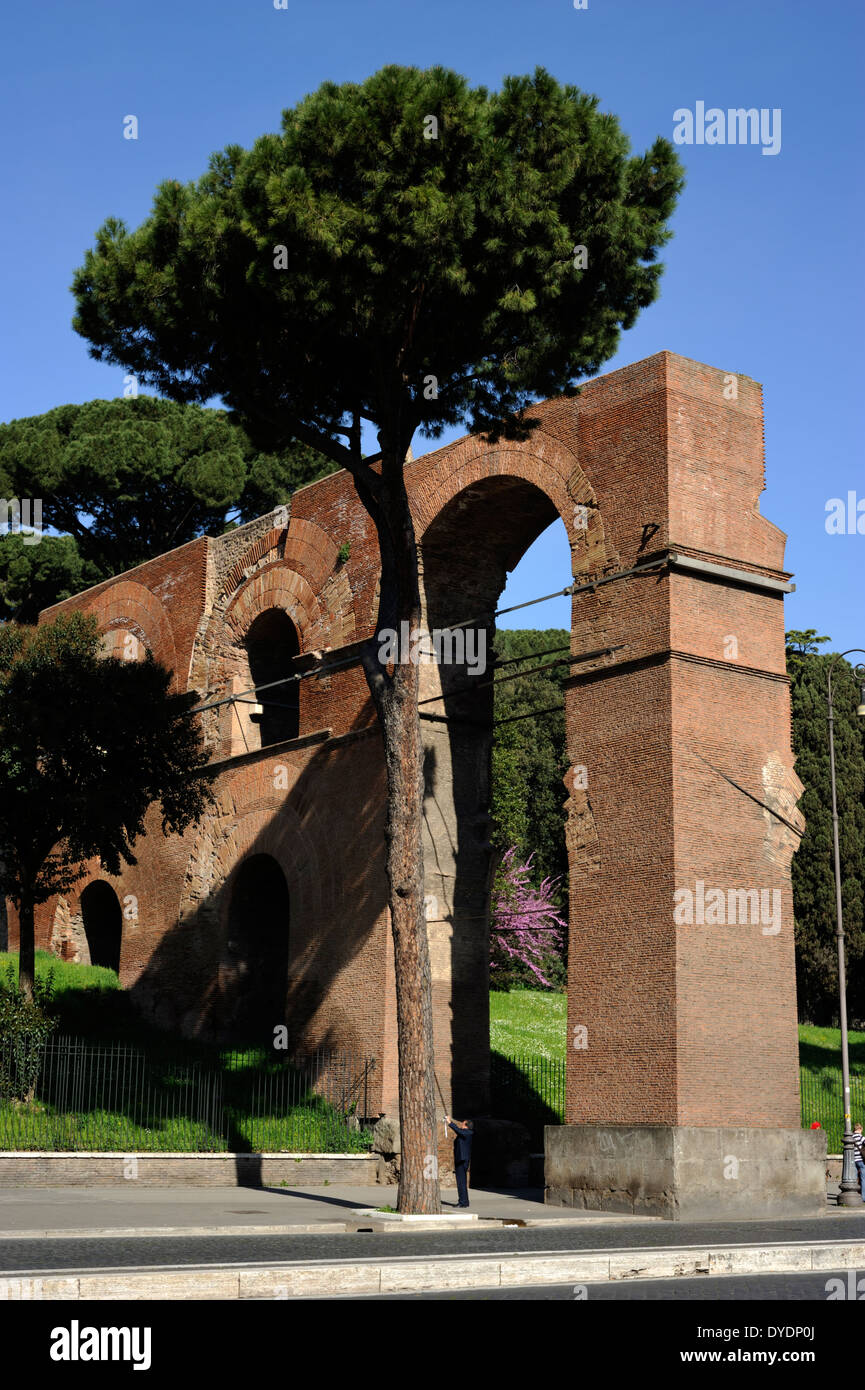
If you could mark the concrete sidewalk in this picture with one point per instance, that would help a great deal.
(596, 1249)
(92, 1211)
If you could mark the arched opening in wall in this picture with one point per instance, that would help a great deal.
(258, 945)
(529, 763)
(468, 553)
(103, 924)
(271, 645)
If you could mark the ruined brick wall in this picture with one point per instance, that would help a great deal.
(679, 743)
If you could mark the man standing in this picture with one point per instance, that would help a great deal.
(462, 1155)
(860, 1158)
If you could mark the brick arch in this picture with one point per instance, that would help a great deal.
(311, 552)
(234, 577)
(304, 547)
(255, 817)
(276, 586)
(476, 512)
(545, 463)
(130, 607)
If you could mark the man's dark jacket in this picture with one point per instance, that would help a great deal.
(462, 1144)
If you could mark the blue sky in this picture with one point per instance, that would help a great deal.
(764, 274)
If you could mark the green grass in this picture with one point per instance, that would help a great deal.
(146, 1099)
(303, 1129)
(533, 1023)
(528, 1023)
(89, 1001)
(68, 977)
(821, 1047)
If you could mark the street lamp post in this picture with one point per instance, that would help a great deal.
(849, 1195)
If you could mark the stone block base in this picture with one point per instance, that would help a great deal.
(686, 1173)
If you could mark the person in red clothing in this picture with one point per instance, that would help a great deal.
(462, 1156)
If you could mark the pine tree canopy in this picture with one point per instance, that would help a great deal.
(404, 251)
(123, 480)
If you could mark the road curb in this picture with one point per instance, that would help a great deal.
(142, 1232)
(380, 1222)
(395, 1275)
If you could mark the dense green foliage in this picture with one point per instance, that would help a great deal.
(33, 577)
(529, 756)
(87, 745)
(319, 277)
(813, 878)
(124, 480)
(529, 761)
(25, 1026)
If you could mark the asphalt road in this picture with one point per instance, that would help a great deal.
(760, 1288)
(142, 1252)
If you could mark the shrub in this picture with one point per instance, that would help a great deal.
(25, 1026)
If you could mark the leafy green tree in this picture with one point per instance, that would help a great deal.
(529, 761)
(529, 757)
(812, 869)
(130, 478)
(87, 744)
(33, 577)
(412, 253)
(801, 645)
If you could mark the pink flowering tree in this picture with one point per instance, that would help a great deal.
(527, 935)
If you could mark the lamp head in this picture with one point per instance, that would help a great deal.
(859, 672)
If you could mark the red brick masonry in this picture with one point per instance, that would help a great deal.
(684, 735)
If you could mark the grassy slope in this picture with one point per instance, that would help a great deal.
(523, 1023)
(528, 1023)
(67, 975)
(90, 1004)
(533, 1022)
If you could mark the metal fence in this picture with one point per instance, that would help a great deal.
(823, 1100)
(532, 1091)
(100, 1096)
(103, 1096)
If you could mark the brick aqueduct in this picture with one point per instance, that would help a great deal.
(275, 905)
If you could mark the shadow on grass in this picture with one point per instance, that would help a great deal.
(529, 1091)
(122, 1098)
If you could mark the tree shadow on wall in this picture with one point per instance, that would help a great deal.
(337, 898)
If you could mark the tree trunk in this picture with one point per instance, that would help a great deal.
(395, 697)
(26, 944)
